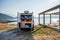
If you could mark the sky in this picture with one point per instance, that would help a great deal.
(11, 7)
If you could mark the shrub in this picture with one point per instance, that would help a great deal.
(45, 26)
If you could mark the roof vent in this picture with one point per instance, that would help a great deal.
(26, 12)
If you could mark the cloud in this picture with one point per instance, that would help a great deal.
(53, 1)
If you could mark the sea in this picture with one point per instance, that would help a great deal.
(54, 19)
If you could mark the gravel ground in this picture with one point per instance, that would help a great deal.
(10, 35)
(25, 35)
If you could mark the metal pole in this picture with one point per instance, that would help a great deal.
(43, 18)
(50, 18)
(39, 19)
(59, 17)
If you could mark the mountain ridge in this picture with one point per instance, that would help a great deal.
(5, 16)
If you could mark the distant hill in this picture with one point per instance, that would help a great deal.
(4, 16)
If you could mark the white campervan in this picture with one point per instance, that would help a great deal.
(25, 20)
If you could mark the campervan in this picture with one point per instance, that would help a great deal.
(25, 20)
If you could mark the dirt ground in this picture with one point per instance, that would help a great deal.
(40, 34)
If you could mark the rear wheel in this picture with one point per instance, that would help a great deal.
(19, 24)
(22, 29)
(32, 28)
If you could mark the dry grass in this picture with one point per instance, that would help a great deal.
(47, 31)
(4, 27)
(46, 34)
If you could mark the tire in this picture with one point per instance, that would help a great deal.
(32, 28)
(22, 29)
(19, 24)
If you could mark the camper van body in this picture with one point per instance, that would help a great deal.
(25, 21)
